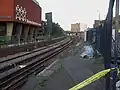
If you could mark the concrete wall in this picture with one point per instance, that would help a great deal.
(9, 30)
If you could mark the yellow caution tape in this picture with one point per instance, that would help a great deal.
(118, 30)
(91, 79)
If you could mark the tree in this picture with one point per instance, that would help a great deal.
(57, 31)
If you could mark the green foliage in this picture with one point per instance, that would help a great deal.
(57, 31)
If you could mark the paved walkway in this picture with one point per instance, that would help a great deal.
(74, 70)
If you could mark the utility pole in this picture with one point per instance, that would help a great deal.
(116, 44)
(99, 17)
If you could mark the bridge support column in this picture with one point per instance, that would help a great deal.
(85, 36)
(19, 31)
(26, 30)
(31, 33)
(35, 36)
(36, 31)
(9, 30)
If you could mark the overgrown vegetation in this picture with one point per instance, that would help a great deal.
(57, 30)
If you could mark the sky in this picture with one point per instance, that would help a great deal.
(66, 12)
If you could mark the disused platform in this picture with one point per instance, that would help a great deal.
(67, 71)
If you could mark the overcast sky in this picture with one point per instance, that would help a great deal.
(66, 12)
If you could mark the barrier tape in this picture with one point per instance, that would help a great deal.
(91, 79)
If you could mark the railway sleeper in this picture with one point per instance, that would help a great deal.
(23, 79)
(21, 74)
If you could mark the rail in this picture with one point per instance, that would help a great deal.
(4, 52)
(35, 64)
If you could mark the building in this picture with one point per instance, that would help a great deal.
(78, 27)
(19, 19)
(98, 22)
(75, 27)
(114, 22)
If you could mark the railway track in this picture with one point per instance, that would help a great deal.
(2, 60)
(22, 59)
(12, 76)
(4, 52)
